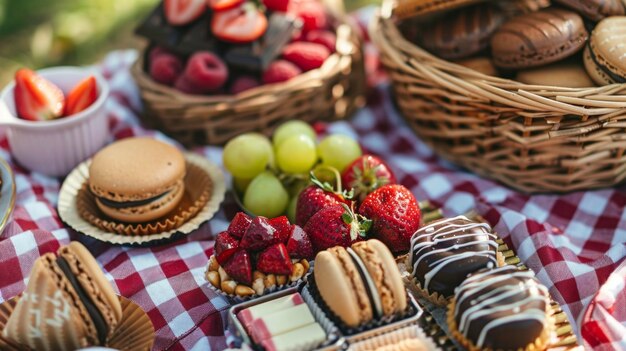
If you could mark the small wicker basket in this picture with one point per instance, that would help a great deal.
(532, 138)
(331, 92)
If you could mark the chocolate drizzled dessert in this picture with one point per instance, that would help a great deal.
(443, 253)
(500, 309)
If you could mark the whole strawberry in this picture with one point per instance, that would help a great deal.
(395, 216)
(366, 174)
(319, 195)
(336, 225)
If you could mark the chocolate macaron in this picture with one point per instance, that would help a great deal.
(137, 180)
(595, 10)
(445, 252)
(463, 32)
(423, 8)
(538, 38)
(604, 55)
(360, 283)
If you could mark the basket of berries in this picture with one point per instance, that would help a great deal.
(528, 92)
(214, 69)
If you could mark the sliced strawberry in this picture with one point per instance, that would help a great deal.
(239, 225)
(221, 5)
(299, 244)
(242, 24)
(36, 98)
(282, 226)
(181, 12)
(225, 247)
(275, 259)
(239, 267)
(259, 235)
(82, 96)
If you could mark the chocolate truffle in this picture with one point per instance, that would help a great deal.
(500, 309)
(443, 253)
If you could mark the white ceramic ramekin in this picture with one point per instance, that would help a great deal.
(55, 147)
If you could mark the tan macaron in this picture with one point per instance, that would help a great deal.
(605, 53)
(137, 179)
(569, 74)
(360, 283)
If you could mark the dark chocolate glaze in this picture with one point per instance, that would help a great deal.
(506, 305)
(99, 322)
(462, 33)
(445, 252)
(126, 204)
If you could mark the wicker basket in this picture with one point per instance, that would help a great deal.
(532, 138)
(331, 92)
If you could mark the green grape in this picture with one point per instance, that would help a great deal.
(296, 154)
(338, 151)
(291, 209)
(266, 196)
(241, 184)
(247, 155)
(292, 128)
(267, 145)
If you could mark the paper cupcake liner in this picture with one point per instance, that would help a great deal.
(412, 312)
(333, 335)
(135, 331)
(204, 192)
(434, 297)
(395, 337)
(235, 299)
(541, 342)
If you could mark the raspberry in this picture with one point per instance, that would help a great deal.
(306, 56)
(276, 5)
(323, 37)
(243, 83)
(206, 71)
(165, 68)
(156, 51)
(280, 71)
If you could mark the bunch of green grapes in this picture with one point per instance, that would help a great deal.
(269, 175)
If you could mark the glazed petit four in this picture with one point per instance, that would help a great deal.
(443, 253)
(360, 283)
(501, 309)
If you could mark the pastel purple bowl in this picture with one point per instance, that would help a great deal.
(55, 147)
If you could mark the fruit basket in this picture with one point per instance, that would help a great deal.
(531, 137)
(330, 92)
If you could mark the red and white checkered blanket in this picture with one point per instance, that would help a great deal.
(575, 243)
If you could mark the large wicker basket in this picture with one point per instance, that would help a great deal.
(331, 92)
(532, 138)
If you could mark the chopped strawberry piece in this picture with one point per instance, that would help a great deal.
(181, 12)
(36, 98)
(282, 226)
(299, 244)
(259, 235)
(239, 267)
(225, 247)
(239, 225)
(275, 260)
(221, 5)
(241, 24)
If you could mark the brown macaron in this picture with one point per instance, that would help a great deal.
(137, 180)
(605, 53)
(426, 8)
(595, 10)
(360, 283)
(538, 38)
(463, 32)
(568, 74)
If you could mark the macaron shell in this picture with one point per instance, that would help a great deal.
(538, 38)
(595, 10)
(429, 7)
(86, 269)
(384, 271)
(607, 45)
(560, 74)
(135, 169)
(149, 212)
(594, 71)
(341, 287)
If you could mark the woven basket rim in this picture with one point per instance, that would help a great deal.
(577, 101)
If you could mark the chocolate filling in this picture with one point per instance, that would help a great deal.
(615, 77)
(126, 204)
(367, 281)
(96, 316)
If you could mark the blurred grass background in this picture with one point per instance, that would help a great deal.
(43, 33)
